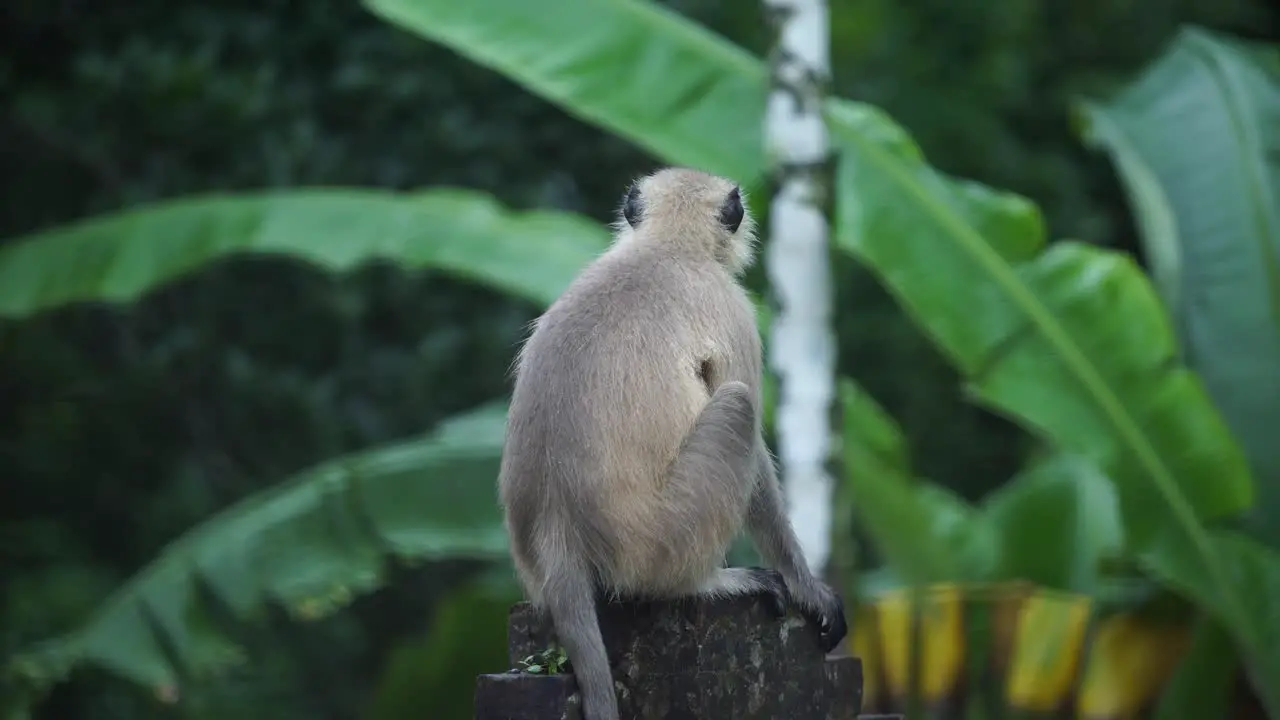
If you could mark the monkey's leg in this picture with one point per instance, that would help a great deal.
(771, 531)
(714, 474)
(709, 482)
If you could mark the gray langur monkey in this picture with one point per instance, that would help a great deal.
(633, 452)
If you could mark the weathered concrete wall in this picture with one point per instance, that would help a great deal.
(690, 659)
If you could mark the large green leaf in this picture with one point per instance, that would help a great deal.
(631, 66)
(1072, 342)
(308, 544)
(120, 256)
(1196, 139)
(1069, 340)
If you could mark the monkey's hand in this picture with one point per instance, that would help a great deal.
(824, 607)
(817, 603)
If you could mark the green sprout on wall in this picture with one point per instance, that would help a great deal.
(551, 661)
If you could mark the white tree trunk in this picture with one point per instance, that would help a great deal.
(801, 342)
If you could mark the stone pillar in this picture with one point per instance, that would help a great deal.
(687, 659)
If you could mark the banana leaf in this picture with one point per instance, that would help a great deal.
(120, 256)
(1072, 342)
(636, 68)
(1196, 141)
(310, 545)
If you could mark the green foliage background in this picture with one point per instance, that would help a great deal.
(123, 426)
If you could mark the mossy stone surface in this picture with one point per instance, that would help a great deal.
(686, 659)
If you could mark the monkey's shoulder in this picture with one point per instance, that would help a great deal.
(642, 315)
(640, 279)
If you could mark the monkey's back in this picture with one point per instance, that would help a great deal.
(607, 387)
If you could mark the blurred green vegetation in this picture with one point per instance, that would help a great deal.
(128, 424)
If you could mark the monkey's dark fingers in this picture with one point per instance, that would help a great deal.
(774, 587)
(833, 628)
(827, 612)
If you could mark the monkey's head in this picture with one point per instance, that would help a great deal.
(697, 212)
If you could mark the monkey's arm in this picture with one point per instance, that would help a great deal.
(776, 540)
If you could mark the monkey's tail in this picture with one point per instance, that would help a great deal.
(570, 598)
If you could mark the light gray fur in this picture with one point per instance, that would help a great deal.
(633, 453)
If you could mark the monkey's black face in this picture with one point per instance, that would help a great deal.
(631, 205)
(731, 211)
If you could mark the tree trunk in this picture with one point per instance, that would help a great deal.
(801, 341)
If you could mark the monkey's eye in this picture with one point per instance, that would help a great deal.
(631, 205)
(731, 211)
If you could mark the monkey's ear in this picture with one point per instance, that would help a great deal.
(731, 211)
(631, 205)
